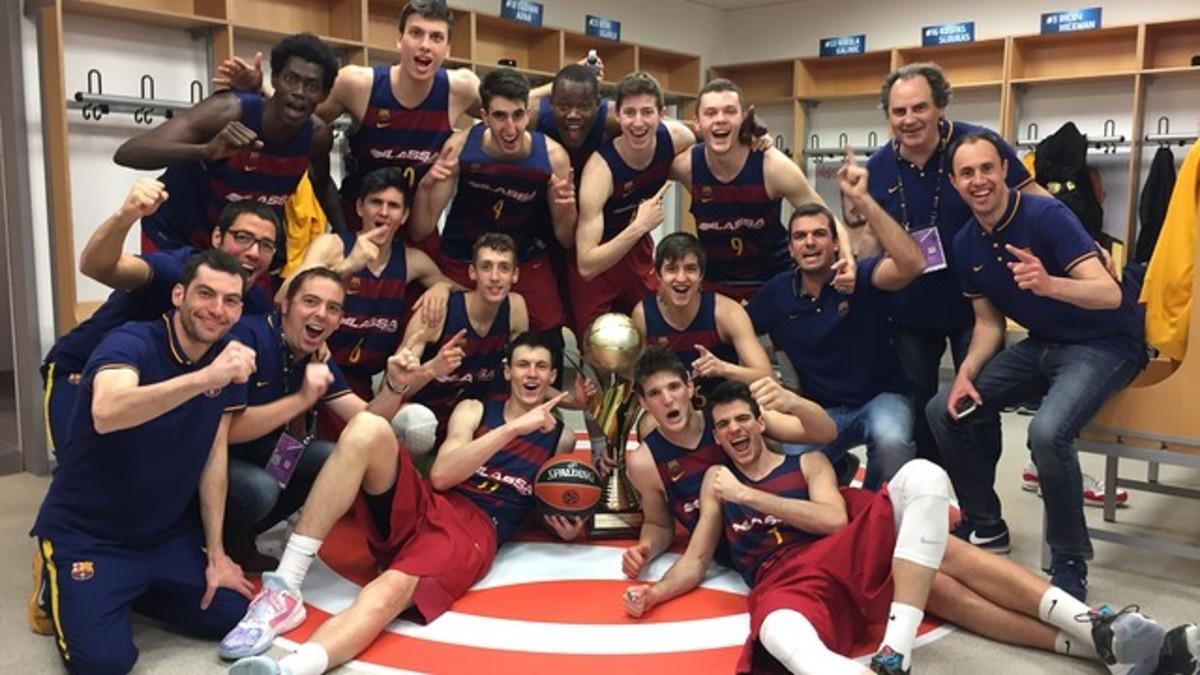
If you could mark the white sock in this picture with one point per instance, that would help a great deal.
(901, 631)
(309, 659)
(297, 556)
(1059, 609)
(1069, 646)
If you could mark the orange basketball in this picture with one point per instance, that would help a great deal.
(567, 485)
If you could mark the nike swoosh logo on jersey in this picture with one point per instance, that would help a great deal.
(976, 268)
(980, 541)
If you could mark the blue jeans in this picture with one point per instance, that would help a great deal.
(920, 355)
(1076, 380)
(884, 424)
(255, 502)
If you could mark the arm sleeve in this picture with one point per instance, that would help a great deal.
(1063, 235)
(118, 349)
(340, 386)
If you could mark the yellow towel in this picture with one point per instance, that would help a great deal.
(303, 221)
(1167, 292)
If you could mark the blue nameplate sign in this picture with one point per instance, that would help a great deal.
(605, 29)
(960, 32)
(525, 11)
(1069, 22)
(844, 46)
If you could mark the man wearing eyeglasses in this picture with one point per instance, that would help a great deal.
(247, 230)
(239, 146)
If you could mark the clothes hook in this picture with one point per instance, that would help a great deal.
(147, 84)
(197, 91)
(872, 139)
(1031, 131)
(94, 74)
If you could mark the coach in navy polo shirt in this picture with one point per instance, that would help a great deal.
(247, 230)
(290, 381)
(909, 178)
(118, 529)
(1028, 257)
(840, 344)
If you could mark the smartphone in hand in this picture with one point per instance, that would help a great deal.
(964, 407)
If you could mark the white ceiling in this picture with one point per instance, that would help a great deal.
(733, 5)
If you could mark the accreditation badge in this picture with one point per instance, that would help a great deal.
(284, 459)
(930, 241)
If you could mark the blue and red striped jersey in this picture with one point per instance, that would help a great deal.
(738, 223)
(499, 196)
(503, 485)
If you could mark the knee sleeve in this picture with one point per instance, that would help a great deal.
(920, 495)
(791, 639)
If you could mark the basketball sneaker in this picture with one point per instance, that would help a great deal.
(35, 611)
(1128, 641)
(992, 537)
(888, 661)
(1093, 490)
(276, 609)
(1070, 574)
(1180, 653)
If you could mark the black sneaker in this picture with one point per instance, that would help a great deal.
(1070, 574)
(888, 661)
(1127, 637)
(992, 537)
(847, 469)
(1180, 653)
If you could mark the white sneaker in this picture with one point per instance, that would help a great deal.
(276, 609)
(1093, 490)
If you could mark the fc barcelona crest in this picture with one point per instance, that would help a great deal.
(675, 471)
(83, 570)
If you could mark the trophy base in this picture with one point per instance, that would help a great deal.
(626, 525)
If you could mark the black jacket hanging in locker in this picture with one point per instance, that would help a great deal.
(1156, 196)
(1061, 168)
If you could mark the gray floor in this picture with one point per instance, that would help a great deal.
(1165, 586)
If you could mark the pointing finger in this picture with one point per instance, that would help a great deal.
(662, 191)
(1024, 254)
(850, 159)
(548, 405)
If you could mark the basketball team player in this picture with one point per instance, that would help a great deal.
(825, 562)
(401, 114)
(620, 202)
(504, 178)
(489, 315)
(668, 466)
(236, 146)
(736, 191)
(378, 268)
(709, 332)
(433, 537)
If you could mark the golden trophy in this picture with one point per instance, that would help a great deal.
(610, 348)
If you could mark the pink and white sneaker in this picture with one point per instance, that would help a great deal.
(1093, 490)
(276, 609)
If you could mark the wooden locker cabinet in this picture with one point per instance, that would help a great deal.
(360, 31)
